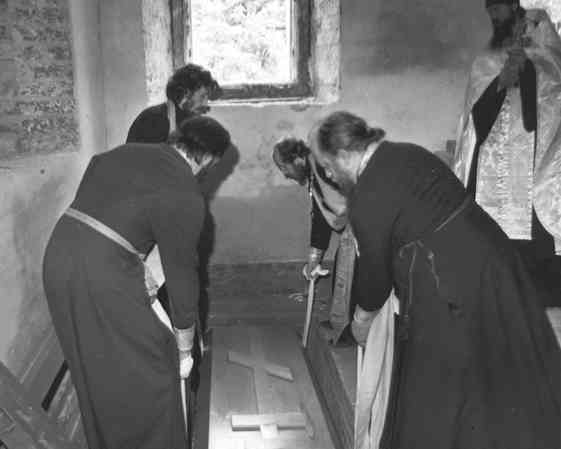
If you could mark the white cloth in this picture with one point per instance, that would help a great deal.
(154, 263)
(374, 378)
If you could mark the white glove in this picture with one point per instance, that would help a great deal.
(185, 364)
(315, 272)
(184, 338)
(313, 267)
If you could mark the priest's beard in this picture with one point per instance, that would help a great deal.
(502, 33)
(345, 184)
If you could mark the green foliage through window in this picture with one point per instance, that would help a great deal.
(243, 41)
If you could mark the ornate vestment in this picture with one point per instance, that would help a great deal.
(516, 169)
(331, 202)
(333, 206)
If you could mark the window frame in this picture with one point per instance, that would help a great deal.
(301, 50)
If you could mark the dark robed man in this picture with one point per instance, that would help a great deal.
(328, 214)
(476, 364)
(187, 92)
(125, 363)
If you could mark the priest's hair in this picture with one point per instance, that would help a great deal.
(199, 136)
(289, 149)
(190, 78)
(343, 130)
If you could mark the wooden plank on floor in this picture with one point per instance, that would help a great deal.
(202, 399)
(23, 423)
(242, 391)
(334, 371)
(281, 372)
(42, 369)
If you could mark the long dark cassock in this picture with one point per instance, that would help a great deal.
(123, 360)
(153, 124)
(477, 364)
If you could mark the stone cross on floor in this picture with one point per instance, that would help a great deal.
(269, 424)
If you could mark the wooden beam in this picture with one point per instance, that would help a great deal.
(270, 424)
(42, 369)
(334, 371)
(261, 368)
(263, 392)
(282, 372)
(177, 13)
(293, 420)
(24, 424)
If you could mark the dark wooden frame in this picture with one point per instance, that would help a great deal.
(301, 51)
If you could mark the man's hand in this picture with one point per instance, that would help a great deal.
(314, 271)
(185, 364)
(313, 268)
(510, 74)
(360, 327)
(360, 332)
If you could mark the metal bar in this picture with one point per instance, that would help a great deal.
(309, 307)
(177, 13)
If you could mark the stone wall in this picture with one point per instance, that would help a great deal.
(36, 81)
(51, 122)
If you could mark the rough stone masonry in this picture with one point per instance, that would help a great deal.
(36, 82)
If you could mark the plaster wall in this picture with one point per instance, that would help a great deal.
(34, 191)
(403, 67)
(124, 69)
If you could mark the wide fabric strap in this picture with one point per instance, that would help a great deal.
(171, 117)
(339, 313)
(149, 281)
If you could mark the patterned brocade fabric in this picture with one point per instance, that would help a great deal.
(505, 171)
(544, 50)
(332, 203)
